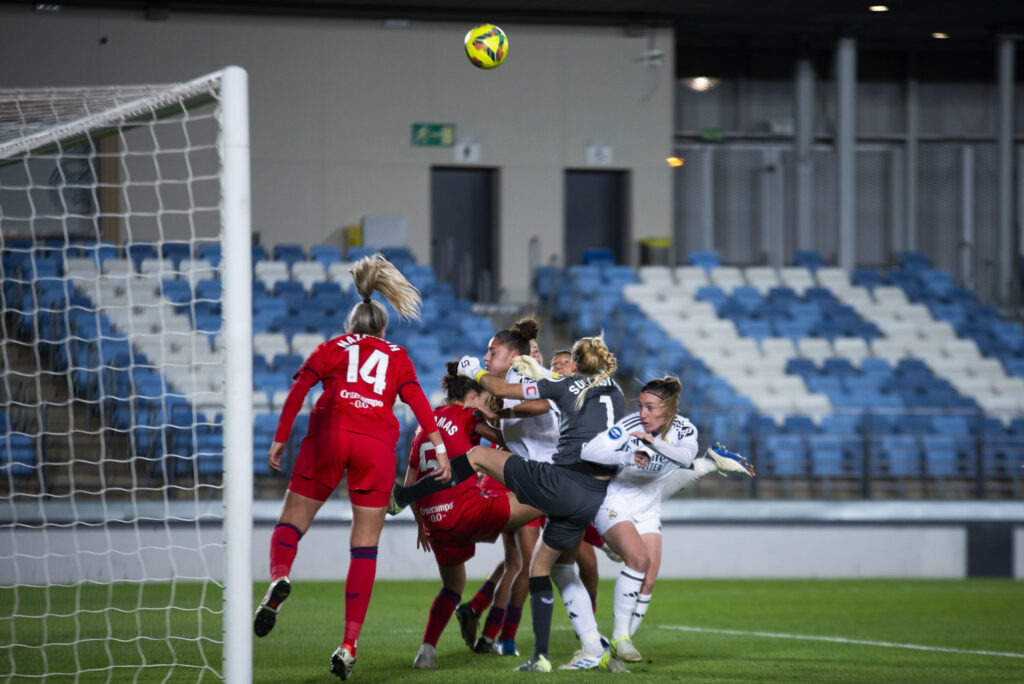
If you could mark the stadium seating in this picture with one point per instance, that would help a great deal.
(138, 331)
(820, 371)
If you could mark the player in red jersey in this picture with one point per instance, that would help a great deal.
(453, 520)
(352, 432)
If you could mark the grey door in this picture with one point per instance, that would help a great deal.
(595, 214)
(462, 230)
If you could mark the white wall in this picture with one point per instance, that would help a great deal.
(691, 550)
(702, 538)
(332, 102)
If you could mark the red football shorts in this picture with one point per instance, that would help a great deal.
(591, 536)
(489, 484)
(481, 518)
(367, 463)
(492, 486)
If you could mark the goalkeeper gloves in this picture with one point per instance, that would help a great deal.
(469, 367)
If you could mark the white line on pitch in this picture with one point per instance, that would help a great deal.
(841, 640)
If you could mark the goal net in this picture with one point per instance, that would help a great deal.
(125, 474)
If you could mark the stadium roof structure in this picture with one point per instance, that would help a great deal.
(904, 21)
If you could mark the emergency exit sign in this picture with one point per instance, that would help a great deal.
(433, 134)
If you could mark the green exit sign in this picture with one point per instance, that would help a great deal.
(433, 135)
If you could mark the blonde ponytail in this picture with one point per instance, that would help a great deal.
(375, 273)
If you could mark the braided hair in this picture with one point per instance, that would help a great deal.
(592, 358)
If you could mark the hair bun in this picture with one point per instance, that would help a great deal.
(527, 327)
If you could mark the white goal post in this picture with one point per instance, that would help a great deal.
(126, 459)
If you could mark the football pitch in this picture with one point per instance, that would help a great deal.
(696, 631)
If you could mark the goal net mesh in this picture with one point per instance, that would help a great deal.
(112, 390)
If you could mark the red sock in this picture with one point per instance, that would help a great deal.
(284, 544)
(362, 567)
(511, 624)
(440, 613)
(482, 598)
(494, 621)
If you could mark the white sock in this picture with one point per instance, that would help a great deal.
(627, 591)
(577, 605)
(703, 466)
(643, 602)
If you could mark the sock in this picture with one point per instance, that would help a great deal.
(284, 544)
(440, 613)
(362, 567)
(703, 466)
(428, 484)
(513, 614)
(542, 606)
(482, 598)
(643, 602)
(578, 606)
(627, 591)
(593, 603)
(495, 618)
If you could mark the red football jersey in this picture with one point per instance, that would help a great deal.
(456, 424)
(361, 375)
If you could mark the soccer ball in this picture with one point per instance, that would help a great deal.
(486, 46)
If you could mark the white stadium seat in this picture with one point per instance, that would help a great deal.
(195, 270)
(303, 344)
(308, 272)
(815, 348)
(797, 278)
(656, 275)
(163, 267)
(270, 344)
(890, 350)
(695, 276)
(270, 272)
(853, 348)
(778, 346)
(832, 276)
(727, 277)
(338, 272)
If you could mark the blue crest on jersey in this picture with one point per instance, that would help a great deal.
(615, 432)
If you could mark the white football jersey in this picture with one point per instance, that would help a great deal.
(638, 489)
(534, 438)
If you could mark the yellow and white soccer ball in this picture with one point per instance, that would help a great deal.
(486, 46)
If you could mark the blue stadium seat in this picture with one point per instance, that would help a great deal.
(326, 254)
(209, 251)
(811, 259)
(784, 455)
(836, 455)
(289, 253)
(596, 255)
(949, 456)
(708, 258)
(357, 253)
(176, 251)
(897, 455)
(139, 251)
(20, 461)
(799, 425)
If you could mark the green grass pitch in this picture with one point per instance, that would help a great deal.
(696, 631)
